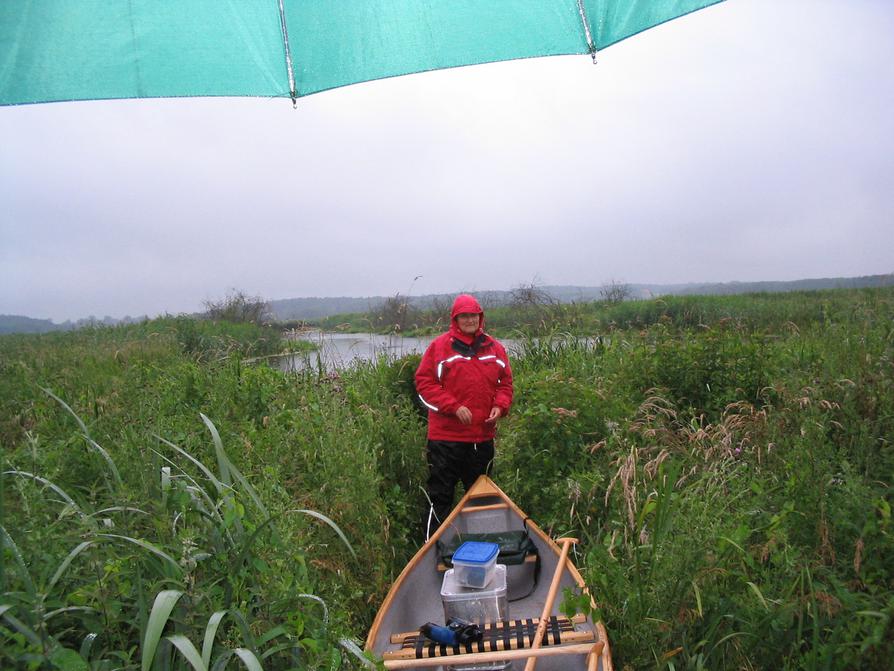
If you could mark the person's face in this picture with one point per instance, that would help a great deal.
(468, 322)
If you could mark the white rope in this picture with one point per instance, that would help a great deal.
(431, 513)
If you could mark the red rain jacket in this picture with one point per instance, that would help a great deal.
(459, 370)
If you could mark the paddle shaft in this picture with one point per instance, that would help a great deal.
(593, 659)
(566, 544)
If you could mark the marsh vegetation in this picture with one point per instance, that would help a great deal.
(726, 461)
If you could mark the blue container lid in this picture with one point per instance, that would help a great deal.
(476, 552)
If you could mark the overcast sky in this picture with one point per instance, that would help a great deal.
(753, 140)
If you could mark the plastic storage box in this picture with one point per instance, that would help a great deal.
(476, 605)
(474, 563)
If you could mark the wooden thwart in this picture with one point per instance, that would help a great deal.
(594, 649)
(487, 506)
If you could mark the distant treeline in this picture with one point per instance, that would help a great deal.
(319, 308)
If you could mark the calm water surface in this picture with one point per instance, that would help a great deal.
(340, 350)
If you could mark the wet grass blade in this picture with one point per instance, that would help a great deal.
(314, 597)
(146, 545)
(87, 645)
(66, 563)
(205, 496)
(223, 463)
(188, 650)
(335, 527)
(217, 483)
(248, 488)
(20, 561)
(108, 459)
(47, 483)
(210, 634)
(698, 598)
(760, 596)
(118, 509)
(158, 618)
(278, 630)
(276, 649)
(247, 545)
(20, 626)
(68, 609)
(247, 634)
(68, 408)
(355, 650)
(249, 659)
(228, 470)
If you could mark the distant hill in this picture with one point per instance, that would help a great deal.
(22, 324)
(313, 308)
(772, 287)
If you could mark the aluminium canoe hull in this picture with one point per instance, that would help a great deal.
(414, 598)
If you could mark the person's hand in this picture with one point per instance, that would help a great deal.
(464, 414)
(495, 414)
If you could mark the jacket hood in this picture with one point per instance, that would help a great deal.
(465, 303)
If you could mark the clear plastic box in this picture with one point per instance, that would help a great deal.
(476, 605)
(474, 563)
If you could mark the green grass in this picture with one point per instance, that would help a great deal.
(758, 312)
(727, 463)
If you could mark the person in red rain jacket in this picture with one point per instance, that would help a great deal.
(465, 381)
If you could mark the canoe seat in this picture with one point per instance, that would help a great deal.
(514, 634)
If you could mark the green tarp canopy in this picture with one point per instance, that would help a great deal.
(55, 50)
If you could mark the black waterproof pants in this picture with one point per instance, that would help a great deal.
(450, 462)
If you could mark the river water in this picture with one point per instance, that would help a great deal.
(340, 350)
